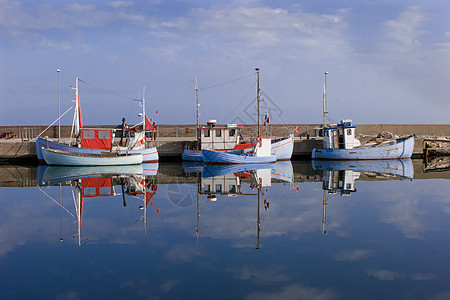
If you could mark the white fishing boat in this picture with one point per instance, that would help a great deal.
(340, 143)
(66, 158)
(97, 140)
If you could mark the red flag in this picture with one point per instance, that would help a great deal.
(157, 112)
(80, 120)
(151, 120)
(296, 129)
(148, 124)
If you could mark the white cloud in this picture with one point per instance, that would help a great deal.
(268, 274)
(120, 4)
(295, 291)
(353, 255)
(406, 29)
(385, 274)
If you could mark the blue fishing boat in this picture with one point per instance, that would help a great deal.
(261, 154)
(340, 143)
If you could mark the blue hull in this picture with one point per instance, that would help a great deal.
(397, 167)
(399, 148)
(235, 157)
(192, 155)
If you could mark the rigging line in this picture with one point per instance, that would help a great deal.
(108, 91)
(279, 117)
(239, 104)
(223, 83)
(56, 202)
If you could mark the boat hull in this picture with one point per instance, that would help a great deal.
(192, 155)
(283, 148)
(149, 154)
(234, 157)
(65, 158)
(399, 148)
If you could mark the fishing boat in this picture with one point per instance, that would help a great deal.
(260, 151)
(227, 138)
(219, 138)
(260, 154)
(66, 158)
(340, 142)
(126, 140)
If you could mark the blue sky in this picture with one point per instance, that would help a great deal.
(388, 60)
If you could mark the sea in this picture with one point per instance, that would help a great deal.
(290, 230)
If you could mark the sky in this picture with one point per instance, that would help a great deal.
(388, 61)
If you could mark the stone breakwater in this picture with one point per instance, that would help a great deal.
(17, 143)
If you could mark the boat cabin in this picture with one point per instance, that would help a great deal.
(103, 138)
(96, 138)
(342, 180)
(340, 136)
(224, 137)
(229, 185)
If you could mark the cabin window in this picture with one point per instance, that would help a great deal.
(89, 192)
(232, 188)
(88, 134)
(207, 134)
(207, 188)
(218, 188)
(104, 191)
(349, 132)
(104, 134)
(349, 186)
(232, 132)
(219, 133)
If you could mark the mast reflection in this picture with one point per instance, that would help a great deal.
(134, 181)
(339, 177)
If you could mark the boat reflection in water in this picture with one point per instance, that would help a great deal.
(340, 176)
(229, 180)
(134, 181)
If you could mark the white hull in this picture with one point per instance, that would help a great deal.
(148, 154)
(399, 148)
(65, 158)
(283, 148)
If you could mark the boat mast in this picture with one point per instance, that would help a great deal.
(196, 95)
(76, 113)
(143, 110)
(325, 101)
(258, 94)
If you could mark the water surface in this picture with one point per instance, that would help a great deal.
(320, 234)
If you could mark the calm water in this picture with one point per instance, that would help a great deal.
(314, 235)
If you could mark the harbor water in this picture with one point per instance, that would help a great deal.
(291, 230)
